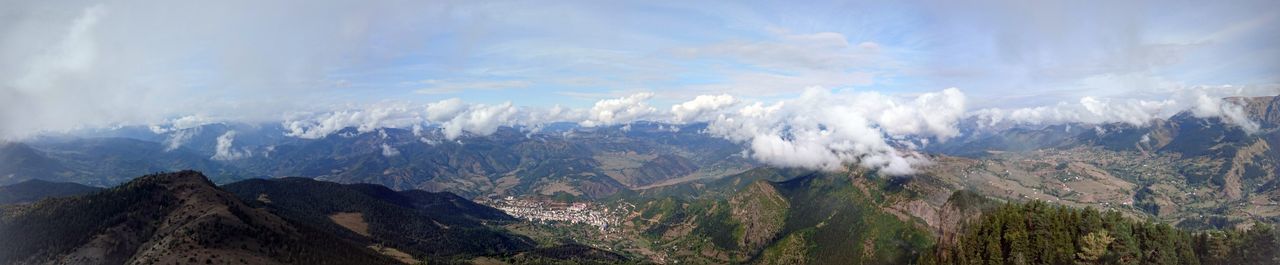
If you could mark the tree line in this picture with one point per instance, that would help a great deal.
(1040, 233)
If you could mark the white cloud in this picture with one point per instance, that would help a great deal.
(445, 110)
(1087, 110)
(820, 129)
(1202, 102)
(701, 107)
(86, 64)
(389, 151)
(1230, 113)
(826, 130)
(383, 115)
(481, 119)
(535, 118)
(180, 131)
(453, 116)
(930, 114)
(225, 151)
(178, 138)
(620, 110)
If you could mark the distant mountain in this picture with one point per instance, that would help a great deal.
(19, 162)
(591, 163)
(34, 190)
(111, 161)
(166, 219)
(1183, 133)
(660, 168)
(582, 162)
(1194, 166)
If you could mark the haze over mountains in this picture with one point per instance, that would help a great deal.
(596, 162)
(669, 192)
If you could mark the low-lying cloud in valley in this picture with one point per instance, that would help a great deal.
(819, 129)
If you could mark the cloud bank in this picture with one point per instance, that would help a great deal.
(826, 130)
(820, 129)
(1202, 102)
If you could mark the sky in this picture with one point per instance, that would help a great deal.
(314, 65)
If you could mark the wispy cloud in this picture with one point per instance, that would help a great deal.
(453, 87)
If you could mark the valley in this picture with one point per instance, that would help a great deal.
(649, 194)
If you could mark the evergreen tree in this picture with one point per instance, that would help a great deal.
(1093, 247)
(1016, 236)
(1038, 233)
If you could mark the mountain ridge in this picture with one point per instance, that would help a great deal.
(165, 218)
(35, 189)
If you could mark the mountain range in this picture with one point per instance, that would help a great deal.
(645, 192)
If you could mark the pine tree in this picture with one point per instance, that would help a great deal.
(1016, 236)
(1093, 247)
(1038, 233)
(994, 254)
(1258, 245)
(1124, 249)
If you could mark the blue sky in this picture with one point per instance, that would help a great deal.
(1002, 54)
(105, 62)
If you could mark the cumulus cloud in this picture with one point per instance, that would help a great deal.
(930, 114)
(445, 109)
(225, 151)
(701, 107)
(452, 116)
(826, 130)
(619, 110)
(368, 119)
(480, 119)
